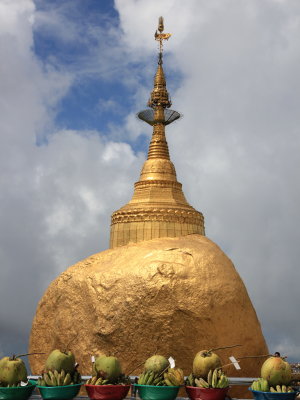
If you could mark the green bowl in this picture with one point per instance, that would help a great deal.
(59, 392)
(149, 392)
(17, 393)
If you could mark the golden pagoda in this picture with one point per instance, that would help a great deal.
(163, 286)
(158, 207)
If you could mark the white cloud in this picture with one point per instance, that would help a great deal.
(109, 106)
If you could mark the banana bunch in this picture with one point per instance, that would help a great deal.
(12, 385)
(190, 380)
(215, 379)
(55, 378)
(261, 385)
(151, 378)
(174, 377)
(281, 389)
(94, 380)
(100, 379)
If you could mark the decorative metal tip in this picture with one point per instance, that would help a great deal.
(159, 36)
(160, 24)
(160, 59)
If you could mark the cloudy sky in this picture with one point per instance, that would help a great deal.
(74, 73)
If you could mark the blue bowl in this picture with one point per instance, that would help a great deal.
(272, 395)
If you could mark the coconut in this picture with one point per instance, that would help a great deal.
(156, 363)
(12, 371)
(58, 360)
(204, 361)
(100, 354)
(276, 371)
(108, 367)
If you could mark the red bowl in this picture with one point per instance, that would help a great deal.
(197, 393)
(107, 392)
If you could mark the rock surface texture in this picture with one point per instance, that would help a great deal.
(173, 296)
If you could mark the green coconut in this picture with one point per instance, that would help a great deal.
(108, 367)
(58, 360)
(156, 363)
(94, 372)
(276, 371)
(12, 371)
(205, 361)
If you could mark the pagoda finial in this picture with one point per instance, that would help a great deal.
(159, 99)
(160, 37)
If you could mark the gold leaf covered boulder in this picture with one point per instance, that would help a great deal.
(174, 295)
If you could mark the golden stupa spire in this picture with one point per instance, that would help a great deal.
(158, 207)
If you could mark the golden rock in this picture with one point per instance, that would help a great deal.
(174, 296)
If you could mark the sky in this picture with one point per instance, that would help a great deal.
(73, 75)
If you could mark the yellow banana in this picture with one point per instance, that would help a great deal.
(63, 373)
(99, 381)
(141, 378)
(197, 382)
(168, 379)
(265, 386)
(225, 382)
(173, 376)
(190, 380)
(201, 383)
(168, 383)
(179, 375)
(53, 378)
(150, 379)
(209, 377)
(214, 378)
(145, 377)
(47, 379)
(56, 374)
(157, 380)
(60, 380)
(94, 380)
(67, 380)
(221, 382)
